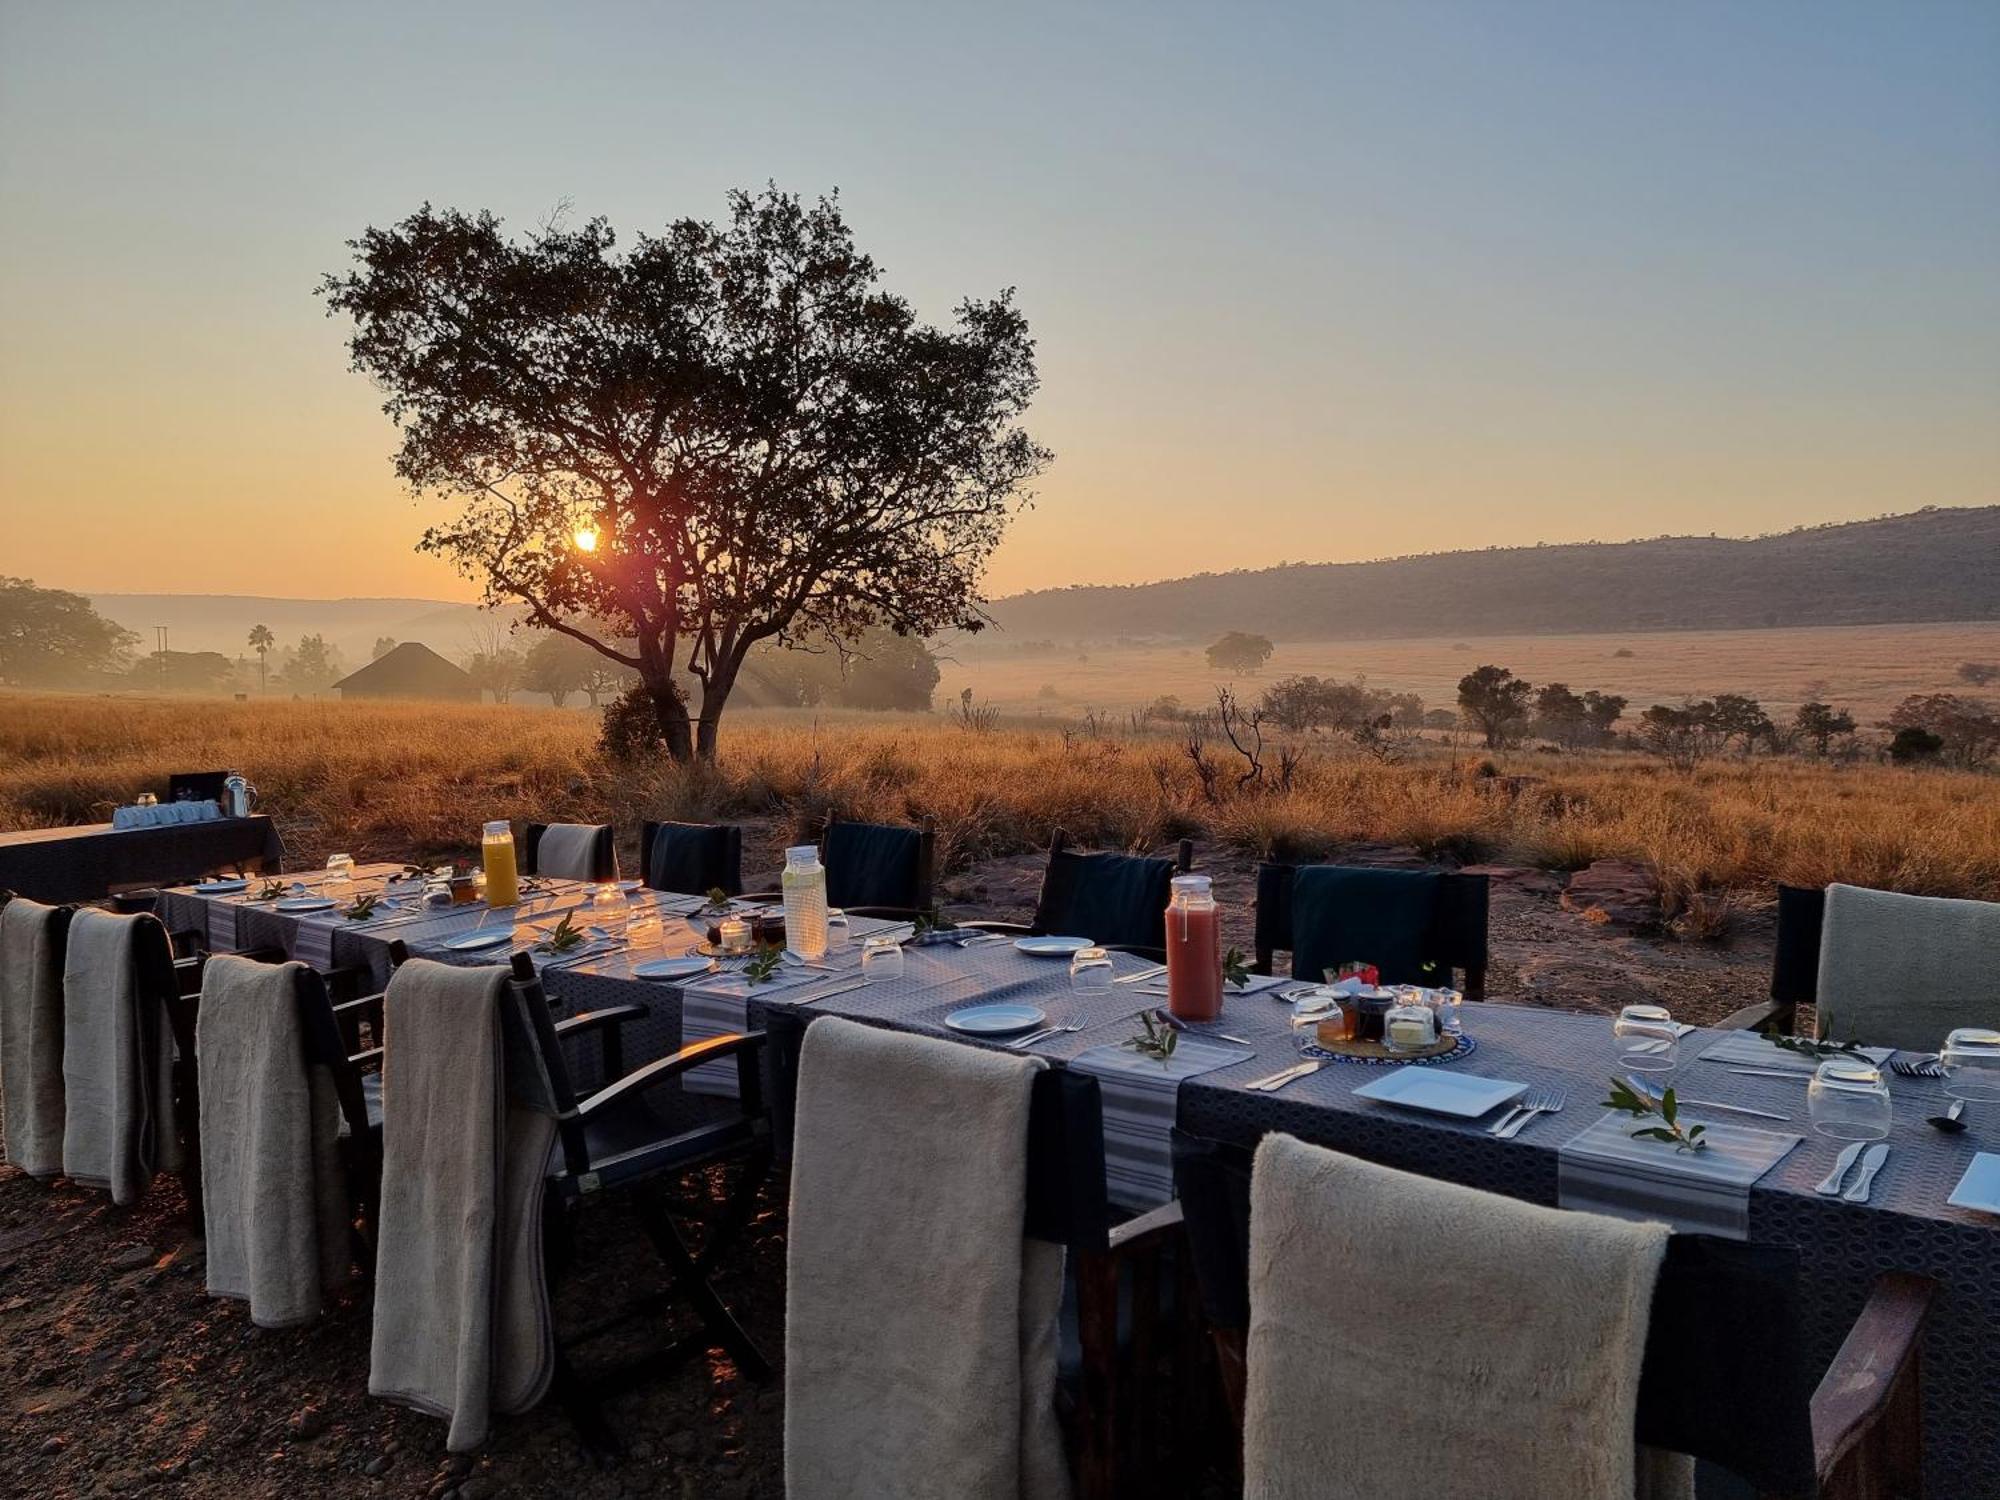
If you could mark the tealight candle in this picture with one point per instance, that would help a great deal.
(735, 935)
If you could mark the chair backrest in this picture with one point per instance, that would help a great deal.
(196, 786)
(1066, 1199)
(1456, 939)
(1795, 966)
(692, 858)
(569, 851)
(879, 865)
(1116, 900)
(1727, 1375)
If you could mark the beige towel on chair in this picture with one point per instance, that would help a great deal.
(462, 1327)
(31, 1033)
(920, 1327)
(1415, 1340)
(568, 851)
(118, 1054)
(1902, 971)
(272, 1187)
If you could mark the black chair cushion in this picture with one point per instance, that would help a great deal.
(1725, 1375)
(1380, 917)
(873, 864)
(695, 858)
(1795, 968)
(1118, 899)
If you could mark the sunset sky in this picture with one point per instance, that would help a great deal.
(1316, 281)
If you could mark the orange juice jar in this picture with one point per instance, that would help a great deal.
(503, 885)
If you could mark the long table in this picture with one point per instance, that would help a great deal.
(87, 861)
(1844, 1247)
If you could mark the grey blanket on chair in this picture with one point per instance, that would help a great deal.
(272, 1188)
(1416, 1340)
(920, 1327)
(568, 851)
(118, 1055)
(1902, 971)
(462, 1327)
(31, 1033)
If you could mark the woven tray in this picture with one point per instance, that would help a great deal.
(1446, 1049)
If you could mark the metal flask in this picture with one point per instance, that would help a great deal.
(238, 795)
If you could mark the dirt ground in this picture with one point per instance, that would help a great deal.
(117, 1373)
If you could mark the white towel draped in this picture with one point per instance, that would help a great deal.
(31, 1033)
(118, 1054)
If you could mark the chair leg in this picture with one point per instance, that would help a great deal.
(690, 1281)
(1097, 1331)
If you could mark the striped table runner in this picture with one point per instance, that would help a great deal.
(1746, 1049)
(721, 1007)
(1603, 1170)
(1141, 1098)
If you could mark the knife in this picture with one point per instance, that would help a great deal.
(1870, 1165)
(1830, 1185)
(1795, 1075)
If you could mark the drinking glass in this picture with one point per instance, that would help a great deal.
(1848, 1101)
(146, 799)
(1090, 970)
(1971, 1059)
(609, 909)
(437, 890)
(838, 933)
(1449, 1005)
(1645, 1040)
(643, 929)
(881, 959)
(339, 874)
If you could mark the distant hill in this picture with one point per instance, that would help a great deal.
(221, 622)
(1932, 565)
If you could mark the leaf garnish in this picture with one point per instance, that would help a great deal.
(1634, 1101)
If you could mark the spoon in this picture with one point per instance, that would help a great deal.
(1949, 1122)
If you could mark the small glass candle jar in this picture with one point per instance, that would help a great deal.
(734, 933)
(1409, 1026)
(881, 959)
(1644, 1039)
(609, 909)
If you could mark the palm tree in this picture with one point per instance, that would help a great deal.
(261, 640)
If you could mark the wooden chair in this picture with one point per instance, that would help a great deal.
(1117, 900)
(1457, 938)
(617, 1142)
(1726, 1375)
(879, 869)
(1136, 1373)
(601, 863)
(692, 858)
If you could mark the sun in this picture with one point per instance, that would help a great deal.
(585, 538)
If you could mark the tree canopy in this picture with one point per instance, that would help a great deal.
(1239, 652)
(723, 435)
(49, 636)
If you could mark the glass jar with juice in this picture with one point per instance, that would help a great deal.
(1194, 950)
(503, 884)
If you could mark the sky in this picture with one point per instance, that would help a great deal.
(1319, 281)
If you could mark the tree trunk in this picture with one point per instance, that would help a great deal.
(714, 694)
(670, 708)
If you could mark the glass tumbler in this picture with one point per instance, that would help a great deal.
(1090, 971)
(838, 933)
(609, 909)
(881, 959)
(1971, 1059)
(1645, 1040)
(1848, 1101)
(643, 928)
(339, 875)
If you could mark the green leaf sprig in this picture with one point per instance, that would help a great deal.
(1157, 1042)
(1807, 1046)
(1642, 1105)
(1236, 968)
(718, 899)
(273, 890)
(763, 964)
(933, 920)
(363, 908)
(564, 936)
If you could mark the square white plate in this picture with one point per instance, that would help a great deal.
(1980, 1186)
(1440, 1093)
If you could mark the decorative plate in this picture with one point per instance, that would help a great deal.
(220, 887)
(1464, 1046)
(475, 942)
(300, 904)
(671, 968)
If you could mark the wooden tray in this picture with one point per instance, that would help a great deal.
(1376, 1052)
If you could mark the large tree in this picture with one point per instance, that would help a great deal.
(1497, 703)
(51, 636)
(722, 435)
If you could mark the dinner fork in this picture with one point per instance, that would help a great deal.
(1540, 1102)
(1928, 1067)
(1021, 1044)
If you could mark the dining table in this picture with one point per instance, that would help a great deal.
(1905, 1224)
(88, 861)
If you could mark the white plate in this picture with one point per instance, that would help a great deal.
(305, 903)
(1052, 947)
(473, 942)
(629, 886)
(670, 968)
(220, 887)
(1980, 1186)
(1440, 1093)
(1000, 1018)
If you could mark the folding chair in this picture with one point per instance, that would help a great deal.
(1456, 939)
(692, 858)
(1116, 900)
(197, 786)
(569, 851)
(879, 869)
(1727, 1377)
(1794, 966)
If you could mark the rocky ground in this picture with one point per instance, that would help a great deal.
(118, 1374)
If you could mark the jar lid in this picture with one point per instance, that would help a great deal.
(499, 825)
(800, 854)
(1192, 885)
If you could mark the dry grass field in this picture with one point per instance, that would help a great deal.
(1867, 668)
(391, 780)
